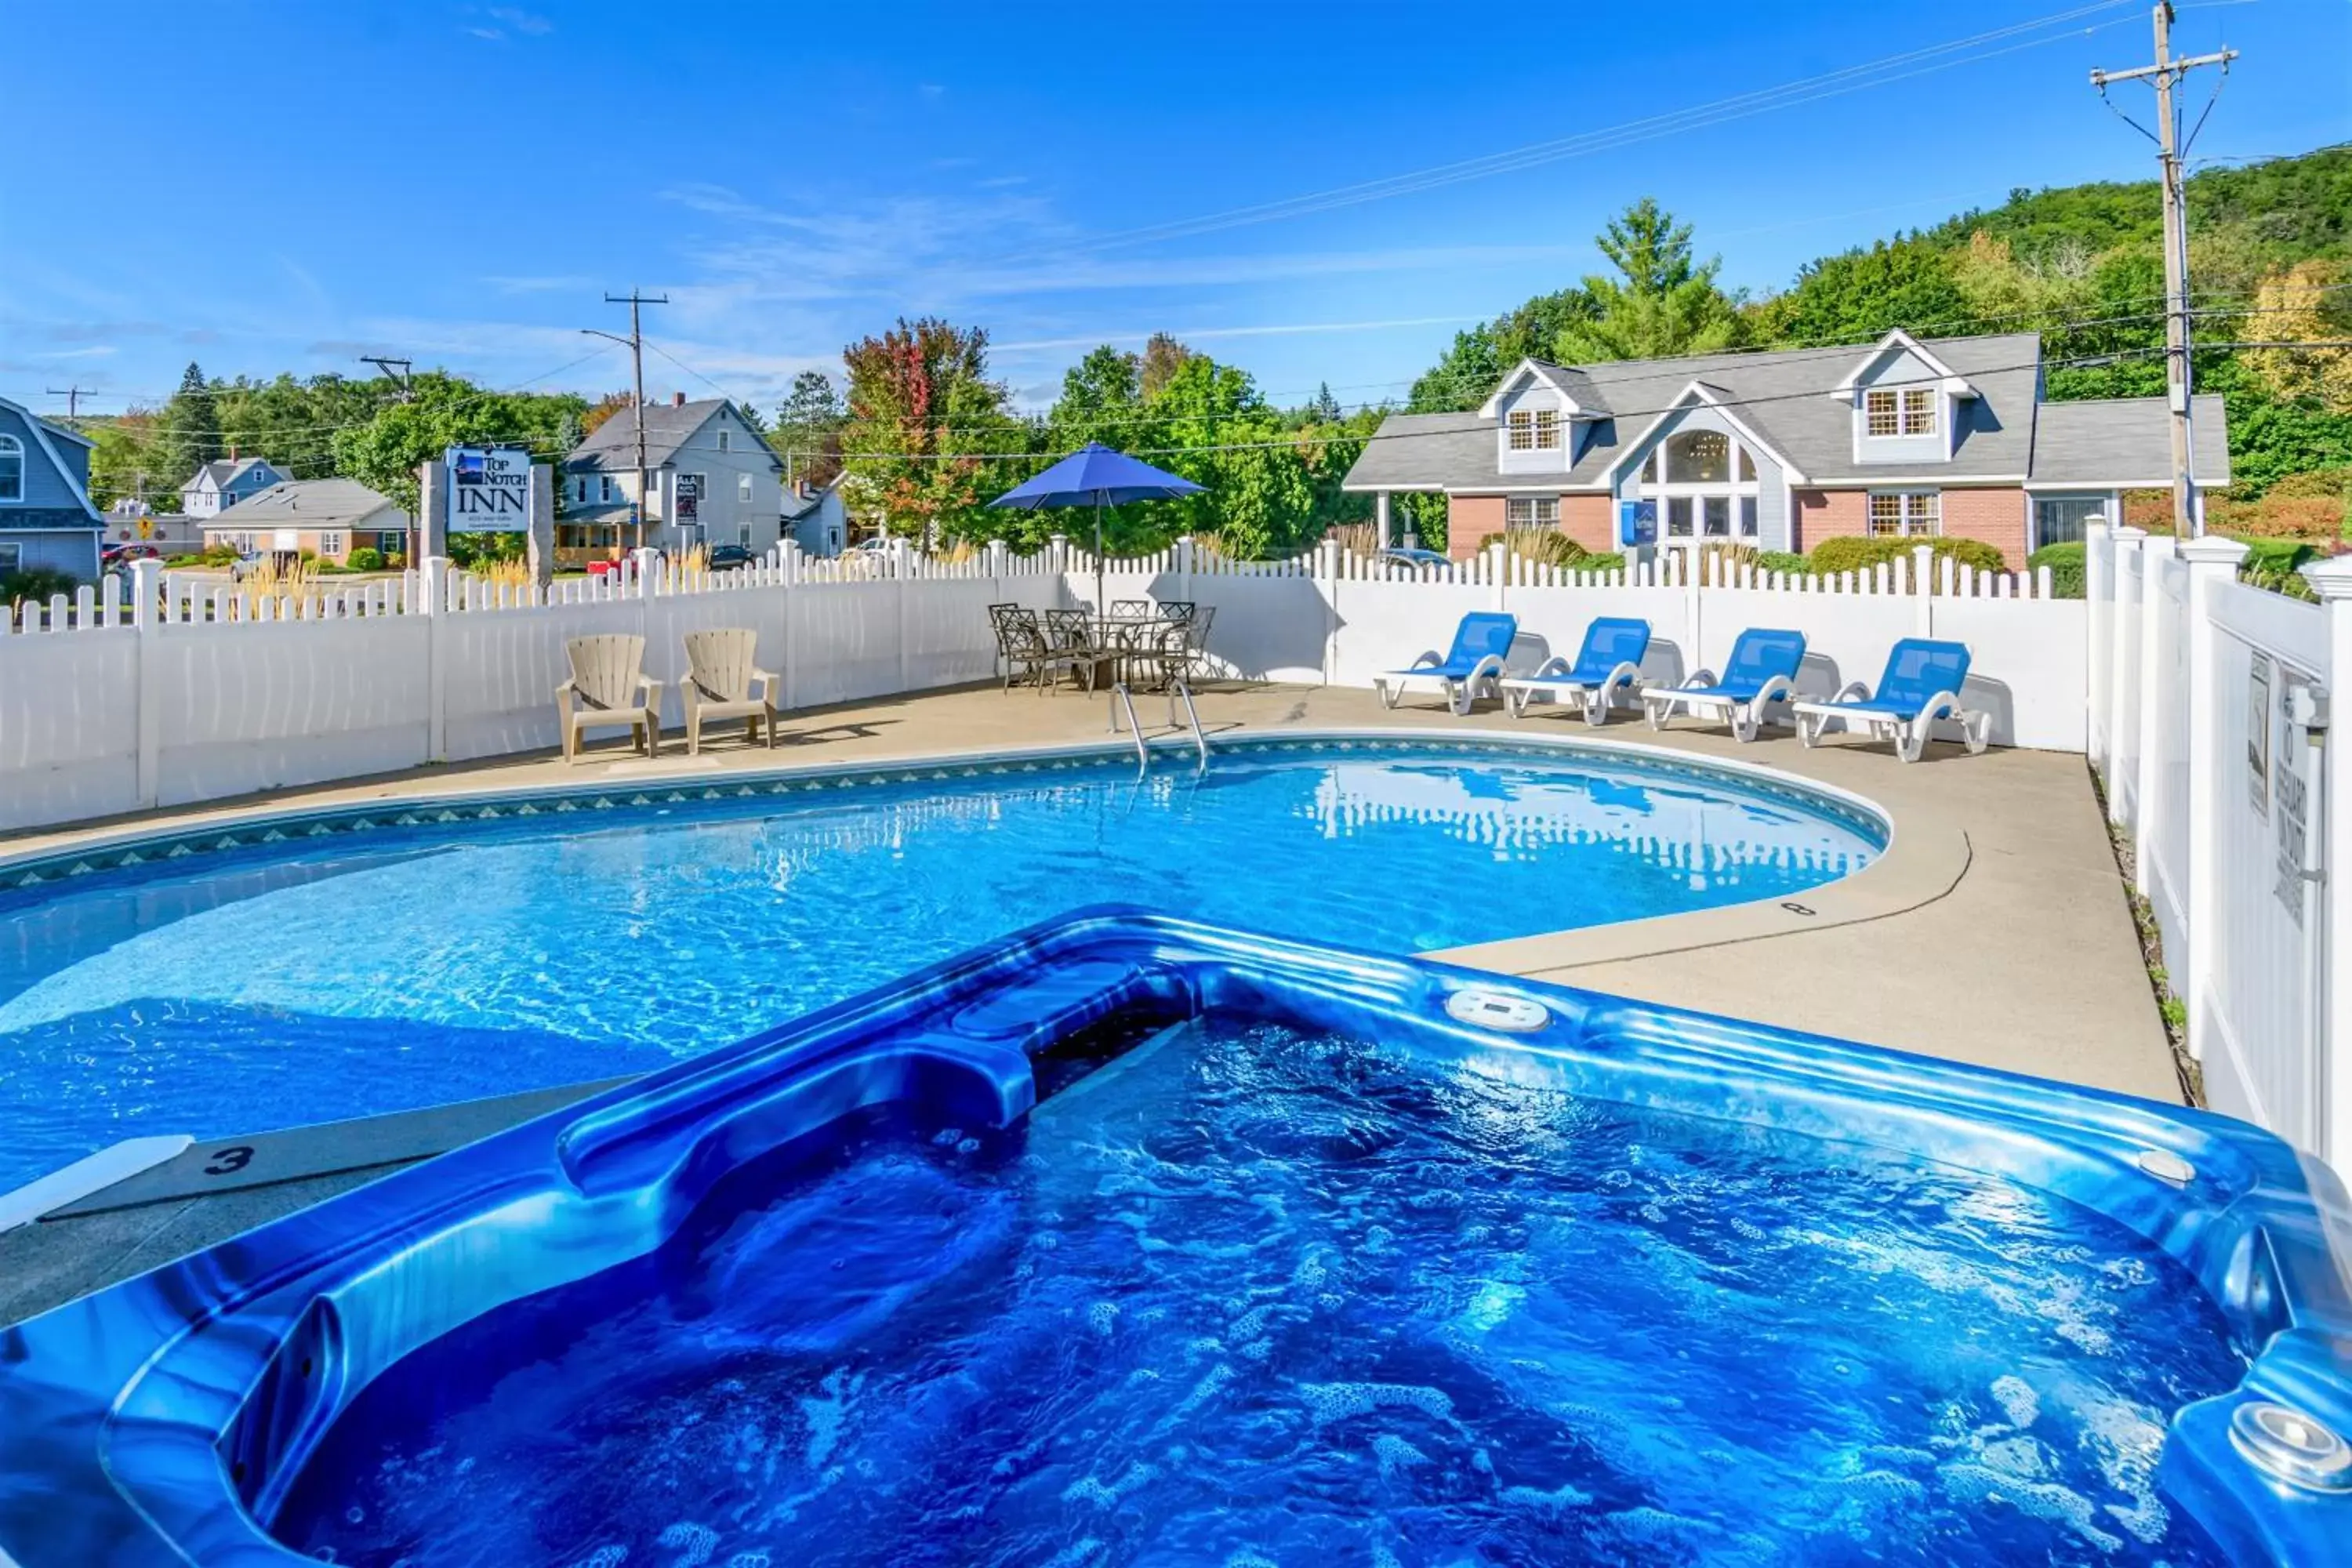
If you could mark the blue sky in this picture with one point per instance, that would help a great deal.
(267, 186)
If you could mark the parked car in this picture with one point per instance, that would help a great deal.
(731, 558)
(124, 554)
(1410, 561)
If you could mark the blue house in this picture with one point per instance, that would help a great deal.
(224, 481)
(45, 520)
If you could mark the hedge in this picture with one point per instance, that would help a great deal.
(366, 558)
(1859, 554)
(1782, 561)
(2066, 569)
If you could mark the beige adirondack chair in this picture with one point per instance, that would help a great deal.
(609, 687)
(719, 681)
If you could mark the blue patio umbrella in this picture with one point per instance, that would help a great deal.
(1098, 477)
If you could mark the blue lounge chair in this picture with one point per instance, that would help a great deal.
(1762, 670)
(1921, 685)
(1610, 661)
(1481, 642)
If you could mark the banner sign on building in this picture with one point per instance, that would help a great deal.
(690, 497)
(489, 489)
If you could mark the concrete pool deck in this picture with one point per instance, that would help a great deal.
(1995, 931)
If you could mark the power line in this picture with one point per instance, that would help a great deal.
(73, 396)
(1847, 79)
(635, 299)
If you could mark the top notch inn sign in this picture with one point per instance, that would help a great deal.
(489, 489)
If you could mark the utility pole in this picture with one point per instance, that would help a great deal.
(2165, 74)
(399, 377)
(73, 396)
(636, 342)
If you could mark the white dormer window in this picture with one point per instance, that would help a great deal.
(1547, 429)
(1906, 411)
(1523, 430)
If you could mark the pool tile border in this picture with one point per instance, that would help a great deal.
(45, 868)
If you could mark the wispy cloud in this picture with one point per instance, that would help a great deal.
(507, 22)
(1201, 334)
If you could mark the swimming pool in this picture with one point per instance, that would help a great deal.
(1134, 1237)
(383, 957)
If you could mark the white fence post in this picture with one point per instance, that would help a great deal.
(902, 570)
(1498, 561)
(1923, 589)
(2123, 686)
(2332, 581)
(2213, 561)
(2098, 590)
(1184, 567)
(146, 586)
(2146, 793)
(433, 599)
(1327, 584)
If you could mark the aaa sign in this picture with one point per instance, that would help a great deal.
(489, 489)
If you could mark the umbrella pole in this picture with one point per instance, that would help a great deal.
(1101, 609)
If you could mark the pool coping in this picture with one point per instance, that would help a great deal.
(1917, 862)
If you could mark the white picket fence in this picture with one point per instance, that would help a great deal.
(2209, 712)
(197, 689)
(1334, 618)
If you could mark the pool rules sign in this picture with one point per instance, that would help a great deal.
(489, 489)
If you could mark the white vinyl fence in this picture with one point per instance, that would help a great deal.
(1339, 619)
(195, 689)
(2208, 715)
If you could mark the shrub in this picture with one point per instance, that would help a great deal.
(1786, 561)
(1601, 561)
(2272, 563)
(184, 560)
(1858, 553)
(2333, 484)
(2276, 517)
(1545, 545)
(2066, 568)
(366, 558)
(35, 583)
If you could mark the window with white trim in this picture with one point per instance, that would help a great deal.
(1906, 515)
(580, 490)
(1705, 483)
(1918, 411)
(331, 545)
(1905, 411)
(1531, 512)
(1547, 429)
(743, 490)
(603, 487)
(726, 439)
(12, 468)
(1523, 430)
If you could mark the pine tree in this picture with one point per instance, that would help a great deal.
(192, 427)
(1325, 407)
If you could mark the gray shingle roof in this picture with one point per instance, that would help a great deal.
(611, 447)
(1784, 397)
(223, 471)
(311, 503)
(2125, 443)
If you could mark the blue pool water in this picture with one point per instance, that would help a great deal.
(363, 973)
(1250, 1294)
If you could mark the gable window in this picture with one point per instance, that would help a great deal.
(726, 439)
(1523, 430)
(1909, 411)
(1531, 512)
(12, 468)
(1705, 485)
(580, 490)
(603, 487)
(1906, 515)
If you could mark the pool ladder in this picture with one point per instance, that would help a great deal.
(1124, 700)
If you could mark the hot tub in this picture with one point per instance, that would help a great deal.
(1133, 1237)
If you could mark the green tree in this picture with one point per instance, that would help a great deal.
(127, 458)
(1662, 303)
(191, 427)
(385, 452)
(1325, 408)
(1867, 293)
(1480, 356)
(929, 435)
(807, 432)
(1211, 426)
(1163, 356)
(1102, 400)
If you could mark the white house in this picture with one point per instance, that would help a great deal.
(710, 475)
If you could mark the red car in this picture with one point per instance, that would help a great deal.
(119, 554)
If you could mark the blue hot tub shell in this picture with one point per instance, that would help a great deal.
(164, 1419)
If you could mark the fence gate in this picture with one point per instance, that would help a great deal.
(2268, 972)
